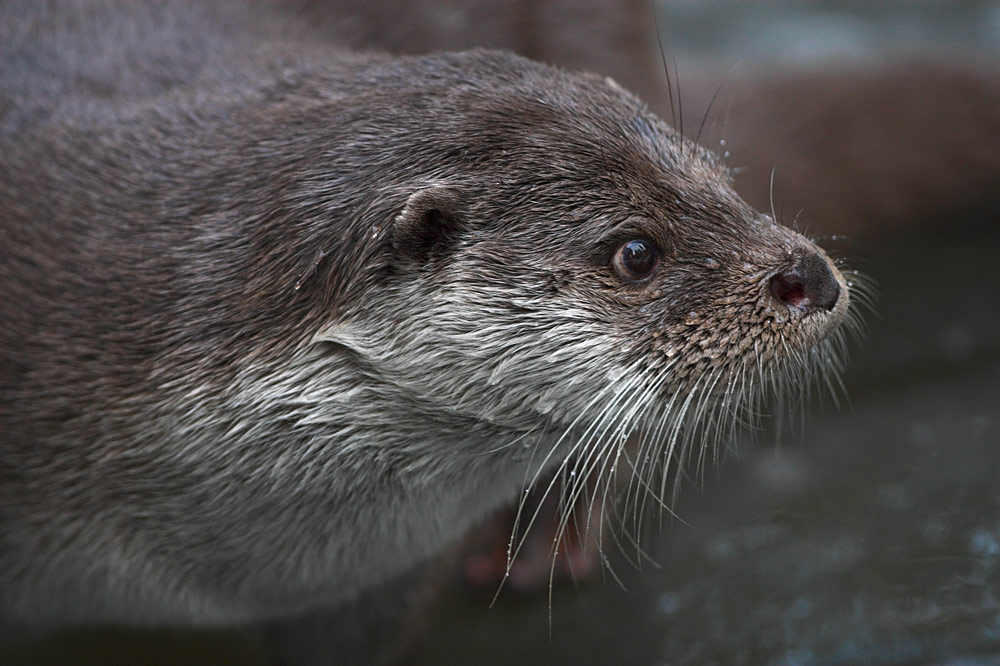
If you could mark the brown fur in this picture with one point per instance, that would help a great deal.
(279, 321)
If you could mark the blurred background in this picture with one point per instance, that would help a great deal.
(871, 535)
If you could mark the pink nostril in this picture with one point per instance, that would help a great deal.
(790, 291)
(808, 285)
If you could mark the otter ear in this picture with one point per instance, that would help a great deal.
(429, 223)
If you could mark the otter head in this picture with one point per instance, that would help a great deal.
(563, 266)
(561, 256)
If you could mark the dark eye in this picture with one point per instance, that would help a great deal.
(635, 260)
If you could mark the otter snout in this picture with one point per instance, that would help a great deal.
(809, 285)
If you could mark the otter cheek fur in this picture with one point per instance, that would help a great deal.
(267, 347)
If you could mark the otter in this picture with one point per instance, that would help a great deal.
(279, 321)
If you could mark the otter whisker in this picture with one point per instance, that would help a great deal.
(614, 444)
(649, 436)
(601, 452)
(637, 416)
(512, 550)
(527, 485)
(570, 503)
(665, 420)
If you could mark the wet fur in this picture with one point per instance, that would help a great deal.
(279, 322)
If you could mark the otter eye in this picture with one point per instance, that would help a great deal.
(635, 260)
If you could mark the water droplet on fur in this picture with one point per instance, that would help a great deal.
(544, 406)
(725, 155)
(376, 230)
(709, 262)
(722, 142)
(298, 284)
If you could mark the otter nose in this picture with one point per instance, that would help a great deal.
(808, 285)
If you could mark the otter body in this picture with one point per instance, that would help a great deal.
(279, 321)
